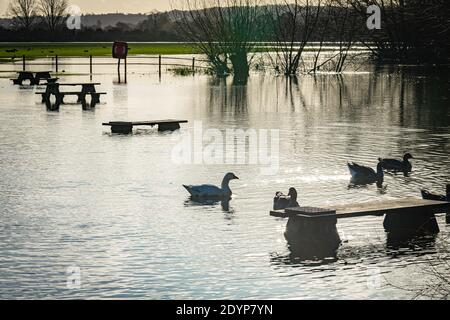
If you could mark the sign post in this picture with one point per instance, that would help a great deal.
(120, 51)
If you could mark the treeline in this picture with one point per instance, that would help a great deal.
(412, 31)
(156, 27)
(160, 26)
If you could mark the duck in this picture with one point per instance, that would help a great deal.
(282, 201)
(426, 195)
(207, 191)
(366, 175)
(397, 165)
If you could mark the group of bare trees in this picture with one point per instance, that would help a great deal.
(27, 13)
(229, 32)
(412, 31)
(298, 23)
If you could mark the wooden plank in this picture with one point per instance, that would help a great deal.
(310, 211)
(75, 93)
(32, 72)
(155, 122)
(144, 123)
(75, 84)
(376, 208)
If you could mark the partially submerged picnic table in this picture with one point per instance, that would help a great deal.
(126, 127)
(318, 225)
(87, 88)
(34, 77)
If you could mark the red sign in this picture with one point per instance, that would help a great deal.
(120, 50)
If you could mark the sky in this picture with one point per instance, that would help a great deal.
(107, 6)
(112, 6)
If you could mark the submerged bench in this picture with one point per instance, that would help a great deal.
(125, 127)
(34, 77)
(86, 89)
(318, 225)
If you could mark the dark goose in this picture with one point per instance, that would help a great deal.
(397, 165)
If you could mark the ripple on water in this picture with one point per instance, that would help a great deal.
(73, 195)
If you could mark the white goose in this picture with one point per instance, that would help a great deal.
(207, 191)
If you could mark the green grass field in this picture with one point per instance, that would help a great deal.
(33, 50)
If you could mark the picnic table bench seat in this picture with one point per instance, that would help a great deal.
(87, 89)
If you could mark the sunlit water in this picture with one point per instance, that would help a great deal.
(73, 195)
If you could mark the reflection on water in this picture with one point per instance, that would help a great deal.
(224, 204)
(297, 258)
(414, 242)
(73, 195)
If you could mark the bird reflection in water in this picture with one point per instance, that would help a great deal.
(381, 188)
(224, 203)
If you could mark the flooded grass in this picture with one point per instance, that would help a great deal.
(8, 50)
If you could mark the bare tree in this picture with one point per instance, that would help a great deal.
(344, 22)
(226, 31)
(54, 13)
(293, 23)
(24, 13)
(321, 32)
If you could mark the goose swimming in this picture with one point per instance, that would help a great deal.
(426, 195)
(282, 201)
(397, 165)
(207, 191)
(366, 175)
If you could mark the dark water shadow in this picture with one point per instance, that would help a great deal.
(397, 242)
(396, 245)
(139, 132)
(224, 204)
(305, 255)
(381, 188)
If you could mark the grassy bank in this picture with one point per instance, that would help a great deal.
(8, 50)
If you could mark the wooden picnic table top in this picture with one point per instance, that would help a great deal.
(75, 84)
(143, 123)
(375, 208)
(28, 72)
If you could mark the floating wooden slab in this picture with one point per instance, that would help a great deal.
(303, 211)
(376, 208)
(310, 211)
(126, 127)
(144, 123)
(19, 72)
(75, 84)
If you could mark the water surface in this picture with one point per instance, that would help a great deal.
(73, 195)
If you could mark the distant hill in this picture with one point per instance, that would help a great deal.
(111, 19)
(99, 20)
(5, 23)
(154, 26)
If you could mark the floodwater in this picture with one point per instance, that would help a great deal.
(112, 209)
